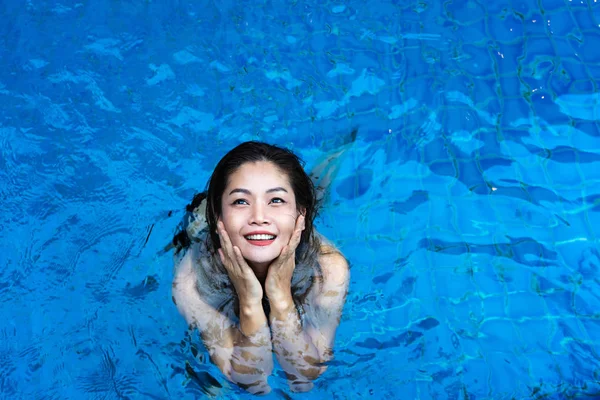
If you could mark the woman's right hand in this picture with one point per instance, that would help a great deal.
(244, 280)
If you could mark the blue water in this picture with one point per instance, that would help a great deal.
(468, 205)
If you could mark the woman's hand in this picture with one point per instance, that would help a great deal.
(244, 280)
(279, 276)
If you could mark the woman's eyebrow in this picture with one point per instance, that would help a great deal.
(246, 191)
(240, 190)
(277, 189)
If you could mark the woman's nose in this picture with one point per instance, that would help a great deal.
(259, 215)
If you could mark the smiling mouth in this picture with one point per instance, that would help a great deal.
(261, 237)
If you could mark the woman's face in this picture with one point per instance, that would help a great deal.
(259, 212)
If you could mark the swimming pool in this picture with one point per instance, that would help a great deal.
(467, 204)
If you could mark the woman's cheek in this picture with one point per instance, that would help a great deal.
(287, 219)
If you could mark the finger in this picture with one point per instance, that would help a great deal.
(240, 258)
(222, 233)
(283, 256)
(295, 239)
(225, 241)
(225, 261)
(226, 251)
(300, 222)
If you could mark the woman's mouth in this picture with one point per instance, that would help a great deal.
(261, 239)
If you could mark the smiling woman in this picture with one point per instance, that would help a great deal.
(257, 278)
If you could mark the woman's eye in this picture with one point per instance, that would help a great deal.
(277, 200)
(240, 201)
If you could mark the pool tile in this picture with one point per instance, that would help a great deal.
(511, 86)
(575, 70)
(592, 327)
(477, 373)
(487, 282)
(461, 285)
(506, 27)
(534, 333)
(553, 5)
(507, 377)
(543, 368)
(560, 24)
(526, 305)
(514, 109)
(507, 58)
(494, 330)
(495, 305)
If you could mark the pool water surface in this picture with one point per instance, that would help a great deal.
(467, 202)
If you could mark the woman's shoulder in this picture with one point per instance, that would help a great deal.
(206, 266)
(332, 274)
(204, 259)
(327, 249)
(326, 246)
(332, 261)
(196, 248)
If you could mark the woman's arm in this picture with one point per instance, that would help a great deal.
(303, 347)
(243, 353)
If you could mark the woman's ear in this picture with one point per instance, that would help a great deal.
(302, 212)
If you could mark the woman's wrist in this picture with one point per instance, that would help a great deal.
(281, 306)
(250, 307)
(252, 318)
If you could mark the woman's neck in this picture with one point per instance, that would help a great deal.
(260, 270)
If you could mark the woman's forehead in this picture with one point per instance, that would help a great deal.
(259, 174)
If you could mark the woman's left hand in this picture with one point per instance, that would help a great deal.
(279, 276)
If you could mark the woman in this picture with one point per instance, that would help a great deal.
(257, 278)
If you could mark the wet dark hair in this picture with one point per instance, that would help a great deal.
(289, 163)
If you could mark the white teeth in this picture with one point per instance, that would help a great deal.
(260, 237)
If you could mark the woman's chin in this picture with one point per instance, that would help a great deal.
(262, 259)
(259, 261)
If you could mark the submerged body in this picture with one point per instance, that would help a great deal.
(257, 279)
(206, 298)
